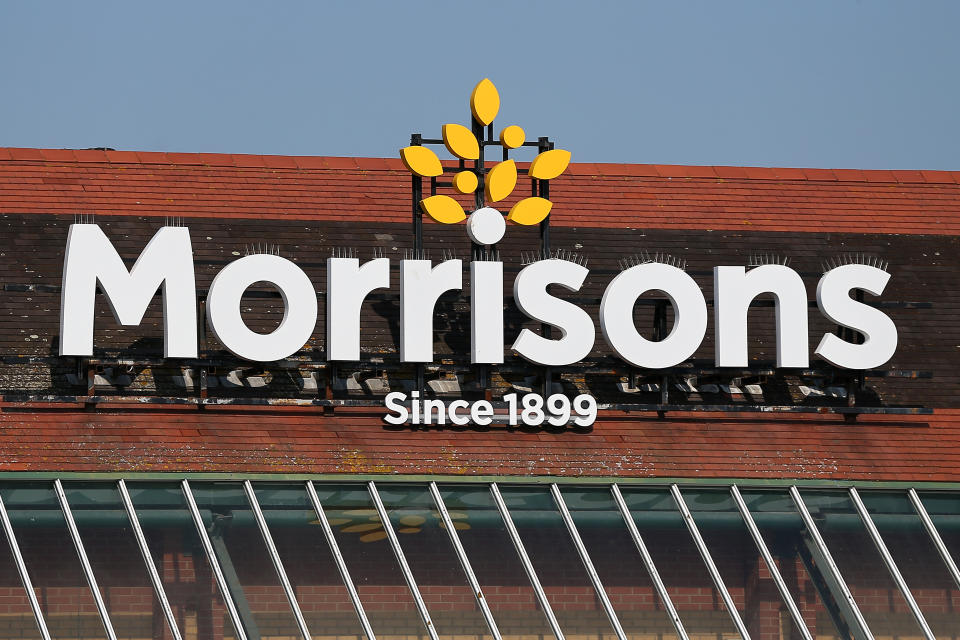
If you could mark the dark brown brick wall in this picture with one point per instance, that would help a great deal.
(923, 268)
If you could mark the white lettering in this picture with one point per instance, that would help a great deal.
(166, 261)
(393, 402)
(455, 418)
(576, 327)
(486, 312)
(347, 285)
(834, 301)
(420, 287)
(481, 412)
(689, 313)
(299, 307)
(734, 289)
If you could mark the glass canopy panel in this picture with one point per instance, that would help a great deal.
(52, 562)
(618, 562)
(861, 565)
(780, 525)
(260, 599)
(308, 561)
(684, 574)
(17, 620)
(433, 562)
(370, 560)
(115, 559)
(735, 554)
(180, 560)
(916, 555)
(557, 563)
(494, 559)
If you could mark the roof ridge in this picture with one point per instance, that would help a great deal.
(600, 169)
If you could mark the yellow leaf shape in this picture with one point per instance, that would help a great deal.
(465, 182)
(549, 164)
(484, 102)
(513, 137)
(461, 142)
(500, 181)
(373, 537)
(421, 161)
(443, 209)
(530, 211)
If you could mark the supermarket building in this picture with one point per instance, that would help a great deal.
(219, 497)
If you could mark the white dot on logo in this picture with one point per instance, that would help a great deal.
(486, 226)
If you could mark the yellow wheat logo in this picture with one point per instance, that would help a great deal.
(500, 181)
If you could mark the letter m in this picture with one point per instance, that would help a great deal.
(167, 261)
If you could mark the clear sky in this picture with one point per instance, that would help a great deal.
(837, 83)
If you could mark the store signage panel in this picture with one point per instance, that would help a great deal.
(166, 263)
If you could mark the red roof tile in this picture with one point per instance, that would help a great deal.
(595, 194)
(876, 448)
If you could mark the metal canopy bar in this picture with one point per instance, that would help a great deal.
(708, 560)
(22, 570)
(464, 561)
(402, 561)
(648, 562)
(275, 559)
(212, 559)
(935, 536)
(338, 558)
(771, 564)
(830, 569)
(525, 561)
(148, 559)
(587, 562)
(891, 565)
(84, 561)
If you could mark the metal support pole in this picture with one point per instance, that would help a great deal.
(148, 559)
(771, 563)
(202, 341)
(340, 562)
(543, 191)
(525, 561)
(464, 561)
(416, 140)
(935, 536)
(889, 562)
(417, 188)
(823, 588)
(854, 618)
(587, 562)
(478, 252)
(212, 559)
(84, 561)
(648, 563)
(22, 570)
(402, 561)
(275, 559)
(708, 560)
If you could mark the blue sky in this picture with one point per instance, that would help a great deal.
(812, 83)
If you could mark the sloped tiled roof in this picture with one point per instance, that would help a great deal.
(600, 195)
